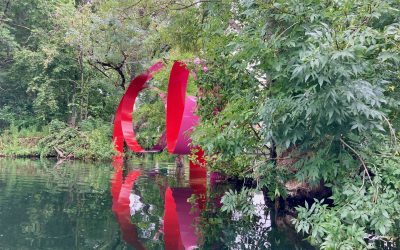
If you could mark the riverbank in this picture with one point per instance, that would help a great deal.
(89, 141)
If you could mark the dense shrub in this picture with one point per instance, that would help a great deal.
(93, 141)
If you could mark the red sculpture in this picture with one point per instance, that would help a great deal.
(123, 127)
(180, 117)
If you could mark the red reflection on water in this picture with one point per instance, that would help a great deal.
(172, 233)
(179, 220)
(120, 191)
(198, 178)
(179, 232)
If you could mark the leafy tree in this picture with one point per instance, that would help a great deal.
(303, 90)
(46, 78)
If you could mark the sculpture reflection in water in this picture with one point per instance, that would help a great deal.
(121, 190)
(179, 220)
(179, 232)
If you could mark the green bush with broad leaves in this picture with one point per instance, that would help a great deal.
(306, 90)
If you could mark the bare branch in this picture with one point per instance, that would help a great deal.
(98, 69)
(18, 25)
(117, 68)
(392, 131)
(359, 157)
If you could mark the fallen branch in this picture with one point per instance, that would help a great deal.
(59, 153)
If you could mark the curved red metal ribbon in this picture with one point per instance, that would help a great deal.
(180, 117)
(123, 126)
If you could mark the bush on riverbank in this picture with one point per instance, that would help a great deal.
(16, 142)
(90, 140)
(307, 92)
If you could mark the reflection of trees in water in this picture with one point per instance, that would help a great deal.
(255, 233)
(220, 230)
(67, 207)
(148, 218)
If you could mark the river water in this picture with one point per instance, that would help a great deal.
(134, 205)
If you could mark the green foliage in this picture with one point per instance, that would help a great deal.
(329, 230)
(20, 142)
(92, 142)
(367, 206)
(241, 202)
(315, 82)
(183, 31)
(45, 78)
(149, 118)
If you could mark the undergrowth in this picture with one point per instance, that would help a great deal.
(91, 139)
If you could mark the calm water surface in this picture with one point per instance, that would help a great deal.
(147, 205)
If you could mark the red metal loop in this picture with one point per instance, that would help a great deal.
(180, 117)
(123, 127)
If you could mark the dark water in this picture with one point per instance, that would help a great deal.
(138, 206)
